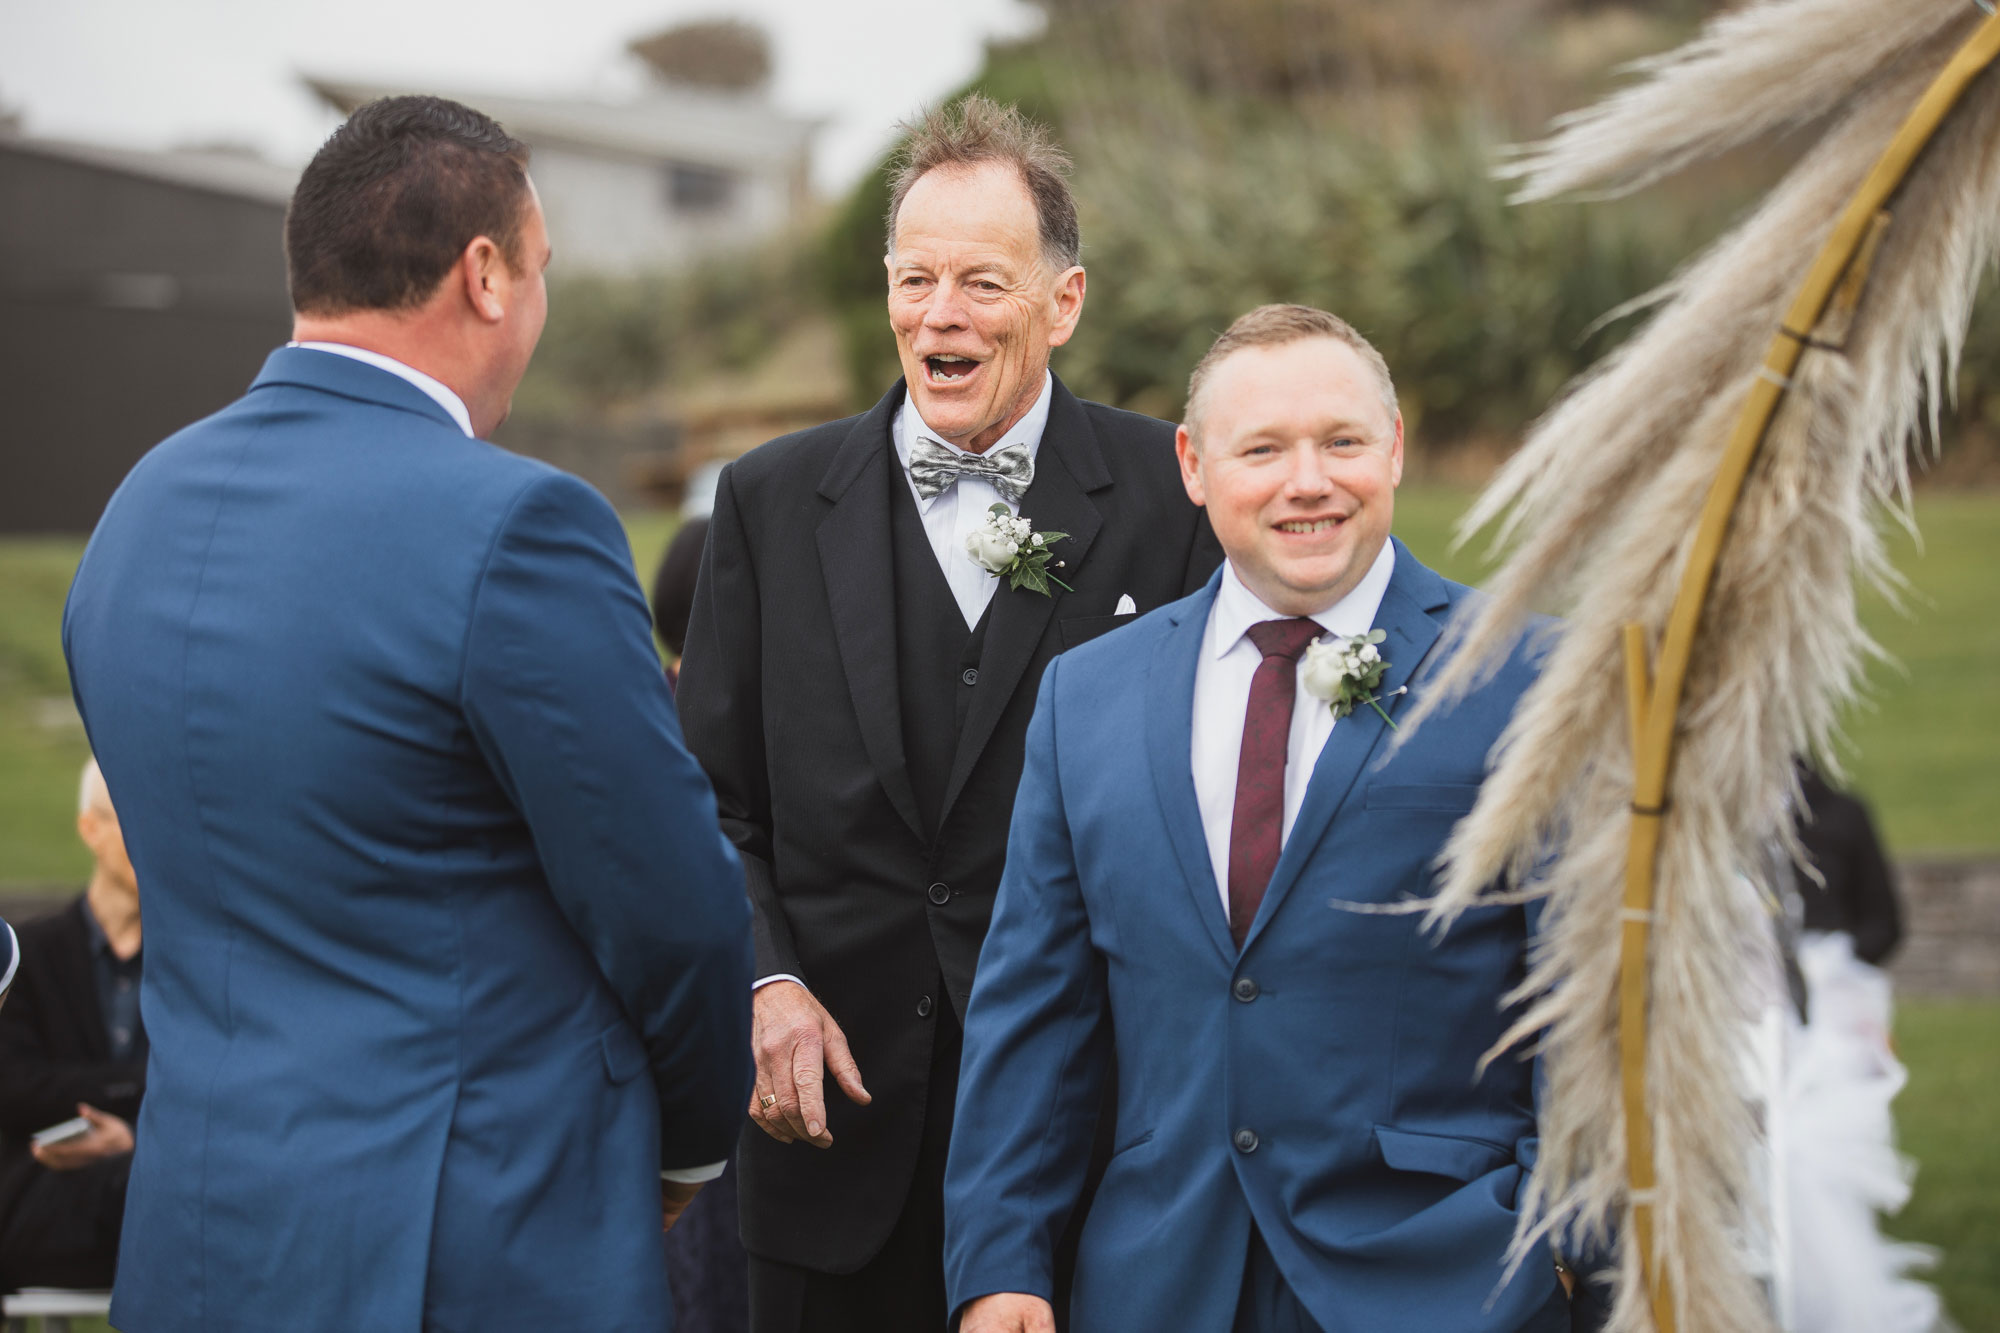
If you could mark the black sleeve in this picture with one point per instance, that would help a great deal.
(722, 713)
(37, 1087)
(1873, 910)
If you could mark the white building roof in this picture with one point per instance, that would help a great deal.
(663, 124)
(218, 172)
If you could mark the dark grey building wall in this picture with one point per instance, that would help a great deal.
(129, 307)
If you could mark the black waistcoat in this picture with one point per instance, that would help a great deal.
(937, 660)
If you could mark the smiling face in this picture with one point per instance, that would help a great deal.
(1297, 461)
(975, 304)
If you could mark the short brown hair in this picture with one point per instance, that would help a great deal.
(392, 199)
(1277, 326)
(978, 129)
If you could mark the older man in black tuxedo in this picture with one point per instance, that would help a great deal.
(859, 686)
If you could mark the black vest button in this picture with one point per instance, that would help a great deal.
(924, 1006)
(970, 675)
(1246, 1140)
(1244, 989)
(940, 894)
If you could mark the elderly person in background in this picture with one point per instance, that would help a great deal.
(72, 1046)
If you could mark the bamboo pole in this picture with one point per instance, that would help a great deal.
(1655, 707)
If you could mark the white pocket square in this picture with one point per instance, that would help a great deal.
(1126, 606)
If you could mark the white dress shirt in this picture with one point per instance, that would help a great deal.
(1222, 702)
(950, 516)
(452, 403)
(436, 389)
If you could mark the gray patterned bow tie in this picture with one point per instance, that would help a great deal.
(934, 469)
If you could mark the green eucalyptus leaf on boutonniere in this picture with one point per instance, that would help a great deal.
(1010, 548)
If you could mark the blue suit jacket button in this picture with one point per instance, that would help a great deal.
(1244, 989)
(923, 1006)
(1246, 1140)
(940, 894)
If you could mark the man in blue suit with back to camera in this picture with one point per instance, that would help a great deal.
(1304, 1138)
(447, 962)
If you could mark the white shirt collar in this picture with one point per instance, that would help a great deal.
(436, 389)
(1237, 608)
(1028, 430)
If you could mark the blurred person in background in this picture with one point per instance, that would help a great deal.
(72, 1045)
(1837, 1165)
(673, 591)
(448, 961)
(705, 1257)
(1855, 891)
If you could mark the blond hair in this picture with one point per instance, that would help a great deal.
(1278, 326)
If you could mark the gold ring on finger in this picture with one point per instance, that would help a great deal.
(769, 1101)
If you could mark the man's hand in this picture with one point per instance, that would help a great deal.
(675, 1196)
(797, 1043)
(108, 1137)
(1008, 1312)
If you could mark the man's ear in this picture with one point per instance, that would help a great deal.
(1396, 455)
(1069, 304)
(487, 279)
(1190, 461)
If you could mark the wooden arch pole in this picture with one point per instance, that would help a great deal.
(1655, 697)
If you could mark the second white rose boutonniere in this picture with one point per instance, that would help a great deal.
(1347, 672)
(1010, 548)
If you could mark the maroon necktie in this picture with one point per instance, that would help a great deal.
(1259, 817)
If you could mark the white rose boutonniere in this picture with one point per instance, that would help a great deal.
(1010, 548)
(1347, 672)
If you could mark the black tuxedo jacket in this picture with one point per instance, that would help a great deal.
(54, 1050)
(789, 697)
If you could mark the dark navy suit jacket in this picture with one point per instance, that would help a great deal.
(1322, 1082)
(445, 955)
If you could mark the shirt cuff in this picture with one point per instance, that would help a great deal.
(695, 1175)
(762, 982)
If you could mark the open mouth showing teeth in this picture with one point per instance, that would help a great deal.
(945, 369)
(1310, 525)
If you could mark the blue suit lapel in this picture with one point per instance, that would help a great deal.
(1170, 740)
(1411, 615)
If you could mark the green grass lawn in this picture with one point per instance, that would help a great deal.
(1944, 1119)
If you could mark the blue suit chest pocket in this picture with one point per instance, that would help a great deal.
(1440, 1154)
(1449, 797)
(624, 1058)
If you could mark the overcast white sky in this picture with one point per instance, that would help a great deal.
(155, 73)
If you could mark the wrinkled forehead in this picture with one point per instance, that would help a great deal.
(984, 208)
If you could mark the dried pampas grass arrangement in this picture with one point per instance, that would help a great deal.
(1599, 512)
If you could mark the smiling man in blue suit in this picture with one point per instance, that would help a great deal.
(447, 961)
(1304, 1140)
